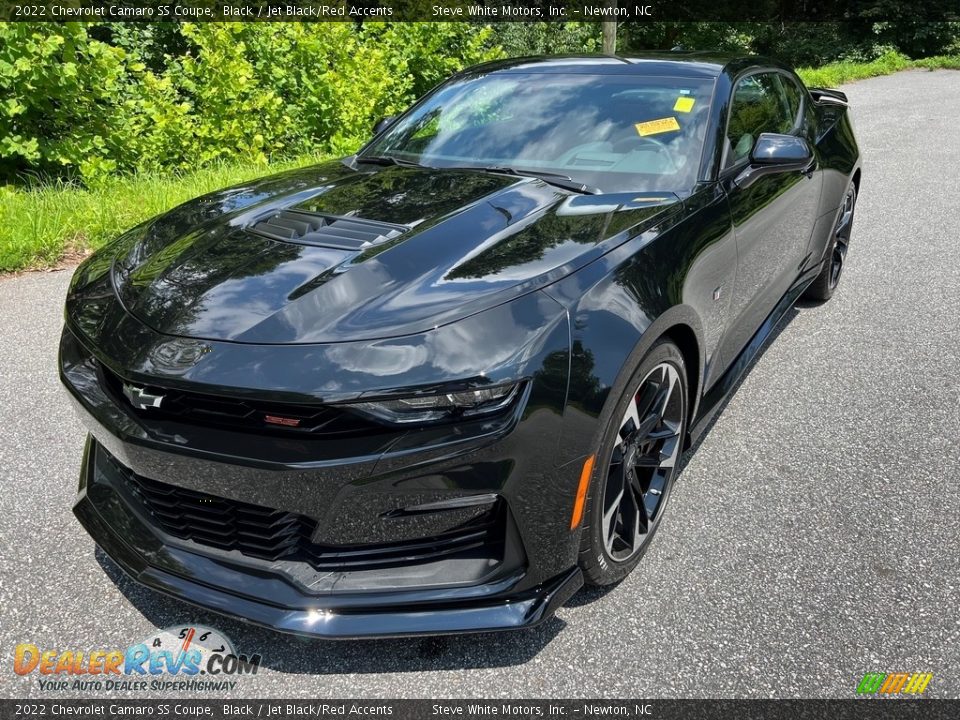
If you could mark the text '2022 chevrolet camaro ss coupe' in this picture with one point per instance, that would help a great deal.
(438, 385)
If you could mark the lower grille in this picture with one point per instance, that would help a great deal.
(224, 524)
(273, 535)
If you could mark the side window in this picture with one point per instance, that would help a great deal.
(759, 105)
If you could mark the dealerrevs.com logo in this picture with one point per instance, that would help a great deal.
(177, 658)
(894, 683)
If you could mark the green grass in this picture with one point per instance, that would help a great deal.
(39, 226)
(940, 62)
(839, 73)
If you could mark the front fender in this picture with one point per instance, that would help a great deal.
(663, 281)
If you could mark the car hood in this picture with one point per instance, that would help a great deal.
(330, 254)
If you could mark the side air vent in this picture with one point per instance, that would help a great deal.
(346, 233)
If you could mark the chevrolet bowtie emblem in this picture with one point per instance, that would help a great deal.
(140, 398)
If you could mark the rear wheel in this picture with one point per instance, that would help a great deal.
(823, 287)
(635, 467)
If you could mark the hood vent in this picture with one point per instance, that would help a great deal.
(345, 233)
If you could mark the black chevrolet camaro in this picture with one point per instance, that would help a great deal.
(438, 385)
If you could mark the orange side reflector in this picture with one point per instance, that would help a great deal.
(582, 492)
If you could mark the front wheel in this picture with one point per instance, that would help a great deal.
(635, 467)
(823, 287)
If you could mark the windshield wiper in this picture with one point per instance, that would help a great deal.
(386, 160)
(551, 178)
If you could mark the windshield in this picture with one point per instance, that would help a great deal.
(615, 133)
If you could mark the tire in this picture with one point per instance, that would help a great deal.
(606, 555)
(822, 289)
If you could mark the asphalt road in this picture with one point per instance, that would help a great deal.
(813, 535)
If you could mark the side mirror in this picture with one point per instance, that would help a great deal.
(782, 150)
(773, 153)
(383, 123)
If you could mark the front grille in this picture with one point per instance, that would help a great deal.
(239, 414)
(346, 233)
(273, 535)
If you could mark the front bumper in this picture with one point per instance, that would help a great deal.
(242, 591)
(342, 506)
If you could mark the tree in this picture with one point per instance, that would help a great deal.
(610, 31)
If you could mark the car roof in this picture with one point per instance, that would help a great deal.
(672, 64)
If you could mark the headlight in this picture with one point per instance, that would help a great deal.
(433, 408)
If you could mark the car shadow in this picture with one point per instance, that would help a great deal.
(293, 654)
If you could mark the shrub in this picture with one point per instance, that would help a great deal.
(58, 107)
(85, 101)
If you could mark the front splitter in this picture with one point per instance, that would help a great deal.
(313, 619)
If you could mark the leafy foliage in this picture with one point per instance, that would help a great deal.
(548, 38)
(58, 91)
(89, 100)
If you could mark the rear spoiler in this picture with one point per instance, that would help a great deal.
(829, 96)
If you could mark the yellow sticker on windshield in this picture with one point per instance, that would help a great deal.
(653, 127)
(684, 104)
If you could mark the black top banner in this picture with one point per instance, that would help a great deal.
(485, 11)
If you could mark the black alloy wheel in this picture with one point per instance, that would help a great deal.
(826, 283)
(841, 234)
(638, 461)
